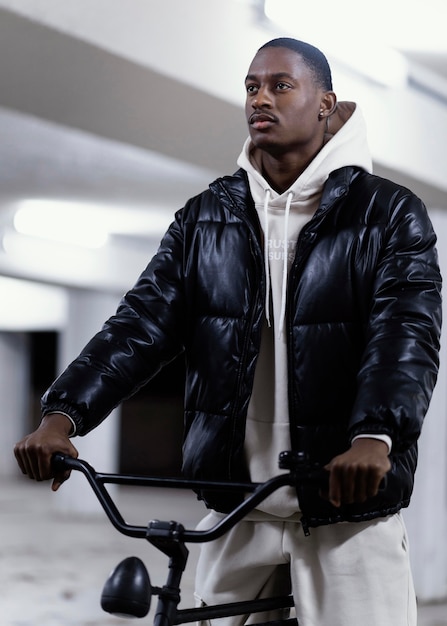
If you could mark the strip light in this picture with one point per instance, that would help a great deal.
(85, 225)
(67, 223)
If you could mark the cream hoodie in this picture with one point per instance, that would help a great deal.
(282, 217)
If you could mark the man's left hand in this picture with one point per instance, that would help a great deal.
(355, 475)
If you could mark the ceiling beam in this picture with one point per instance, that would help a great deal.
(54, 76)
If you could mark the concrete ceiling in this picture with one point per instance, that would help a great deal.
(76, 119)
(82, 124)
(436, 62)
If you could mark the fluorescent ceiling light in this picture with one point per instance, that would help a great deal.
(67, 223)
(83, 224)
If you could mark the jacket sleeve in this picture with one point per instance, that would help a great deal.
(145, 333)
(400, 362)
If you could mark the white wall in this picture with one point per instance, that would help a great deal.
(14, 399)
(87, 312)
(426, 517)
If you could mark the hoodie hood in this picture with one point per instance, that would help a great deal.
(345, 144)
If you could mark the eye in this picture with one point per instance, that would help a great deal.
(282, 86)
(251, 89)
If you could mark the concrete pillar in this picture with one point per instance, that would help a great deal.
(87, 310)
(426, 518)
(14, 384)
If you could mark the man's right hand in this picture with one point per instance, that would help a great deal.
(35, 451)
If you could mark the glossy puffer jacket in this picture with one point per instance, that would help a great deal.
(363, 326)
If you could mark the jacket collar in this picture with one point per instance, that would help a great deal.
(233, 191)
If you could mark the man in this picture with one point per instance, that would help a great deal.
(305, 293)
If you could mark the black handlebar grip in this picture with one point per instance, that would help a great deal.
(58, 462)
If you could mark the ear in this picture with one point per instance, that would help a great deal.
(328, 104)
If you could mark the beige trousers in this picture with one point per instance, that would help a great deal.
(342, 575)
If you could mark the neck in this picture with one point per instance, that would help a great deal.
(281, 173)
(281, 170)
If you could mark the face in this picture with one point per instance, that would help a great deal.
(283, 103)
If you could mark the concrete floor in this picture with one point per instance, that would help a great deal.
(53, 566)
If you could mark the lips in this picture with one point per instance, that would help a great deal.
(261, 120)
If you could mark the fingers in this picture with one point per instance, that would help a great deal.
(27, 459)
(355, 475)
(34, 457)
(350, 484)
(21, 463)
(33, 460)
(59, 479)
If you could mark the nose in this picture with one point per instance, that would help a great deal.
(262, 98)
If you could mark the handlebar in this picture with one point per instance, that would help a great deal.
(128, 589)
(258, 492)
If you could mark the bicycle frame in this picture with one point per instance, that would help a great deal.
(171, 538)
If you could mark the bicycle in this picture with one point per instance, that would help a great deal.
(128, 590)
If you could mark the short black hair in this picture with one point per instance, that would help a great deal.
(312, 56)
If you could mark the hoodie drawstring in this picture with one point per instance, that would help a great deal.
(282, 313)
(266, 256)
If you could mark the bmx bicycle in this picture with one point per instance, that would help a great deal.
(128, 590)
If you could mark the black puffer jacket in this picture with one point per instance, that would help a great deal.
(363, 331)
